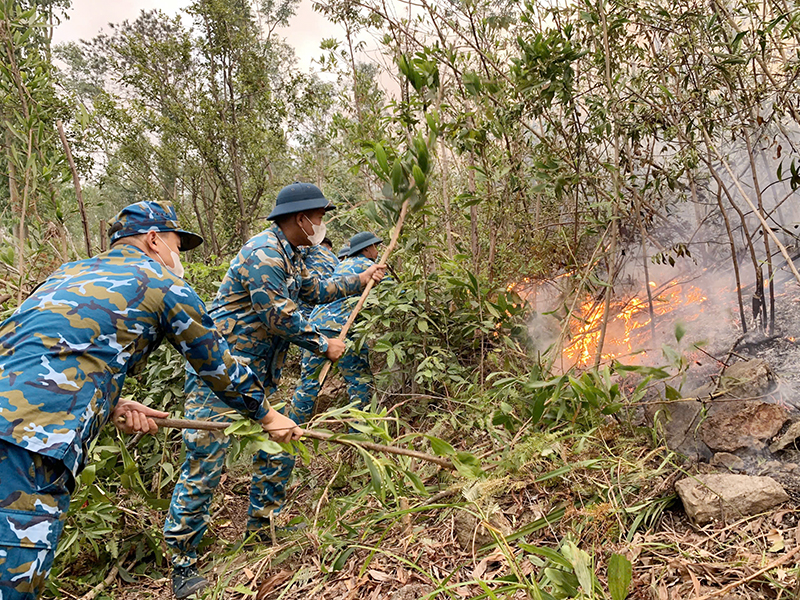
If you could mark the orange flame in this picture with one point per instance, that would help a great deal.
(623, 337)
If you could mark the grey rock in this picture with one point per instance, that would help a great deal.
(470, 532)
(748, 379)
(730, 431)
(678, 423)
(787, 439)
(728, 460)
(714, 497)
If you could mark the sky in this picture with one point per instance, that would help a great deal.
(88, 17)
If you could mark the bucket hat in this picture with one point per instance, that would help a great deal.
(298, 197)
(344, 252)
(149, 215)
(361, 240)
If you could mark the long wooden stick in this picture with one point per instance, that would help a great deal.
(370, 284)
(323, 436)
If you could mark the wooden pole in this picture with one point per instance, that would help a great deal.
(370, 284)
(77, 183)
(323, 436)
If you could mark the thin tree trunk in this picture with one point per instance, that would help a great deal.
(732, 245)
(473, 215)
(77, 183)
(611, 259)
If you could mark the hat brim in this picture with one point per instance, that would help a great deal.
(295, 207)
(189, 240)
(365, 244)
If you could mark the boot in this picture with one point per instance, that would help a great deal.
(187, 581)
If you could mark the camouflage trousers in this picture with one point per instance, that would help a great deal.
(34, 499)
(189, 510)
(355, 370)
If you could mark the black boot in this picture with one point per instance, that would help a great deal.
(187, 581)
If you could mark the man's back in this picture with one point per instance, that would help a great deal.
(70, 345)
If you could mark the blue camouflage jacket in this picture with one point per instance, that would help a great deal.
(321, 262)
(332, 317)
(65, 352)
(256, 305)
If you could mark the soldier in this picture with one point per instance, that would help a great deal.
(344, 252)
(256, 310)
(320, 261)
(64, 355)
(330, 318)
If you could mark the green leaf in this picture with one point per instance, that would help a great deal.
(548, 553)
(671, 393)
(468, 465)
(268, 446)
(620, 572)
(397, 176)
(581, 564)
(419, 177)
(380, 156)
(440, 447)
(243, 590)
(680, 331)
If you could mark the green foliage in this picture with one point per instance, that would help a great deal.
(435, 331)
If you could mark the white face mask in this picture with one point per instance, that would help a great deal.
(319, 233)
(177, 268)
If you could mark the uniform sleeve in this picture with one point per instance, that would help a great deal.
(269, 293)
(191, 330)
(316, 289)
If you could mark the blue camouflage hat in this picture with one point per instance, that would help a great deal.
(362, 240)
(298, 197)
(148, 215)
(345, 251)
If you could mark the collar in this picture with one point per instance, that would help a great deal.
(361, 258)
(288, 249)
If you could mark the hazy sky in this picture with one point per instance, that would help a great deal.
(88, 17)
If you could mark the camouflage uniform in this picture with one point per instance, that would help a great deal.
(64, 355)
(320, 262)
(353, 365)
(256, 310)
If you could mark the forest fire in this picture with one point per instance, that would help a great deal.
(628, 332)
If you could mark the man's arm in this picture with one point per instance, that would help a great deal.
(191, 330)
(267, 283)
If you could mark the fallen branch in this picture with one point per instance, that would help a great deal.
(112, 575)
(775, 563)
(323, 436)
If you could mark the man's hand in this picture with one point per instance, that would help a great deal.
(375, 272)
(281, 429)
(133, 417)
(335, 349)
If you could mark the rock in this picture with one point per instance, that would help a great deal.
(745, 428)
(787, 439)
(678, 423)
(747, 379)
(411, 591)
(714, 497)
(469, 530)
(728, 460)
